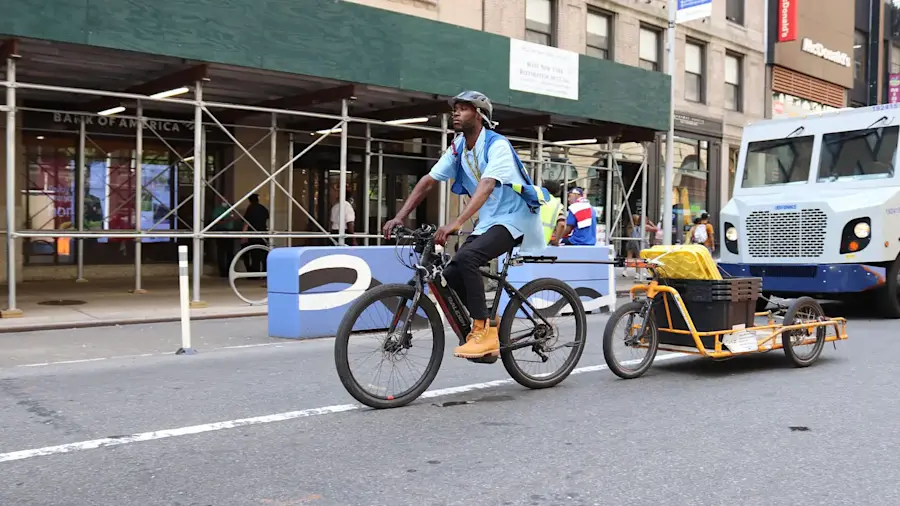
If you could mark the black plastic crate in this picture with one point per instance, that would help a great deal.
(707, 317)
(724, 290)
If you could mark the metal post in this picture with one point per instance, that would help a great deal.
(79, 199)
(380, 195)
(198, 189)
(442, 201)
(273, 160)
(539, 171)
(366, 177)
(290, 209)
(11, 310)
(644, 202)
(342, 191)
(610, 161)
(670, 136)
(138, 195)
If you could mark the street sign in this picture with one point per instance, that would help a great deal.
(690, 10)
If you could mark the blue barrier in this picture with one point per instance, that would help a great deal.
(311, 288)
(595, 283)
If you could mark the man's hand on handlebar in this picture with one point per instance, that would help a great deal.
(390, 225)
(440, 237)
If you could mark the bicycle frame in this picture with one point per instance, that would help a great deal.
(452, 306)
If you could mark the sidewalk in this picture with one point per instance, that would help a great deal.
(109, 302)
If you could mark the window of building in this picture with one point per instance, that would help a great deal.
(859, 55)
(690, 191)
(539, 22)
(776, 162)
(733, 75)
(693, 71)
(858, 154)
(733, 153)
(649, 49)
(599, 34)
(895, 59)
(734, 11)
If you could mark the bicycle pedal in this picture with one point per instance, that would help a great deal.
(484, 360)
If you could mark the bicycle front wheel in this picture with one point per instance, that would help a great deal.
(394, 358)
(559, 341)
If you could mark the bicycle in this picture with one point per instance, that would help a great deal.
(416, 309)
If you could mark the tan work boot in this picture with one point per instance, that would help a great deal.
(481, 342)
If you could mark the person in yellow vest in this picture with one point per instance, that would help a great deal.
(553, 214)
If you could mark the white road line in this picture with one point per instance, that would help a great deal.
(266, 419)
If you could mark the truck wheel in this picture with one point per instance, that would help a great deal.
(889, 295)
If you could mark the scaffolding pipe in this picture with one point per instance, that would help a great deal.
(610, 161)
(138, 194)
(290, 209)
(539, 170)
(273, 159)
(260, 185)
(670, 135)
(11, 184)
(644, 198)
(178, 235)
(198, 172)
(378, 201)
(442, 204)
(342, 191)
(79, 200)
(366, 177)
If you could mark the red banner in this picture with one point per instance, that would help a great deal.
(787, 20)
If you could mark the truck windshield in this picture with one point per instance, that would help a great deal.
(858, 154)
(778, 162)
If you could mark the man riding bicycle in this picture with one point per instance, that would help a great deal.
(484, 166)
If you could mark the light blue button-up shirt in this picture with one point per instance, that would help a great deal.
(504, 206)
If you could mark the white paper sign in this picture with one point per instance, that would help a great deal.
(741, 342)
(544, 70)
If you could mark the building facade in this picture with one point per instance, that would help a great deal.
(104, 181)
(719, 77)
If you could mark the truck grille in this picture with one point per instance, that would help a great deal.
(797, 234)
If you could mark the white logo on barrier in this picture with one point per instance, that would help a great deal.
(324, 301)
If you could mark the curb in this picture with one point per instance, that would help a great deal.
(123, 322)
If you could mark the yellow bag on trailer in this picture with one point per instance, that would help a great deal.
(683, 261)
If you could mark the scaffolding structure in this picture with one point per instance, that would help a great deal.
(199, 230)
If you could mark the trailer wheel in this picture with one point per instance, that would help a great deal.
(889, 295)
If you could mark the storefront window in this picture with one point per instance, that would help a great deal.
(776, 162)
(109, 200)
(690, 185)
(50, 202)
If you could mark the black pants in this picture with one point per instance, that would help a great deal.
(255, 260)
(224, 254)
(463, 272)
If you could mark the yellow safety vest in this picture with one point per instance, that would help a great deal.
(549, 213)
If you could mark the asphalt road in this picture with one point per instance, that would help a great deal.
(751, 431)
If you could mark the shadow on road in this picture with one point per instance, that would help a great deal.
(747, 364)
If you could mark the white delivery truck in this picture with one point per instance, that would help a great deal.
(816, 207)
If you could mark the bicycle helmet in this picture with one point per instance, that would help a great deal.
(481, 103)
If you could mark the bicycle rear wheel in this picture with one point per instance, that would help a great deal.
(538, 340)
(377, 309)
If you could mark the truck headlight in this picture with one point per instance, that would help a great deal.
(856, 236)
(731, 234)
